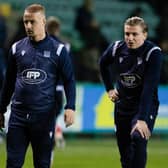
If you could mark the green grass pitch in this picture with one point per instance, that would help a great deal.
(96, 153)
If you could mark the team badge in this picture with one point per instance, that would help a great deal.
(47, 54)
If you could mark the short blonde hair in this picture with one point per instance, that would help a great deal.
(33, 8)
(134, 21)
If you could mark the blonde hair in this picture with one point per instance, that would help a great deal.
(33, 8)
(134, 21)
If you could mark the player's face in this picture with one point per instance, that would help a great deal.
(134, 36)
(34, 25)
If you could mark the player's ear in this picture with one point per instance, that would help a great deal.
(44, 21)
(145, 35)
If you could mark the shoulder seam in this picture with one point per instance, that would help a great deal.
(59, 49)
(115, 48)
(14, 48)
(150, 51)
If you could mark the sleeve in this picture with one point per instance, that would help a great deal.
(8, 83)
(106, 60)
(151, 82)
(67, 76)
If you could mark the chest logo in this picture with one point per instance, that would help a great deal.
(33, 76)
(130, 80)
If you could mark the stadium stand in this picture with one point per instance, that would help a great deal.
(110, 14)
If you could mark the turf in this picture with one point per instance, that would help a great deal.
(96, 153)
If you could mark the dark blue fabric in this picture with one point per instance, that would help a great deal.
(37, 129)
(132, 148)
(138, 78)
(33, 73)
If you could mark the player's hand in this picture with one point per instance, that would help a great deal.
(2, 119)
(142, 128)
(113, 95)
(69, 117)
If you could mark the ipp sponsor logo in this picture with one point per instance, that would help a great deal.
(34, 76)
(130, 80)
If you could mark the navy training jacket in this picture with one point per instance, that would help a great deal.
(33, 71)
(138, 75)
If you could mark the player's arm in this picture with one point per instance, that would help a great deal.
(151, 82)
(8, 86)
(68, 78)
(8, 83)
(105, 61)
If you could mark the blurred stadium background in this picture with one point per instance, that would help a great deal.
(90, 142)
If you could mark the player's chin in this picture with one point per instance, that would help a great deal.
(29, 34)
(131, 46)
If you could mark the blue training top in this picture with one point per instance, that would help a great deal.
(33, 71)
(138, 78)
